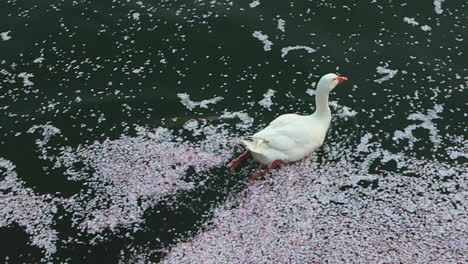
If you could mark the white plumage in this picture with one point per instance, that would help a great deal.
(288, 138)
(291, 137)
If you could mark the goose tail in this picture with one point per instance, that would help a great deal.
(254, 144)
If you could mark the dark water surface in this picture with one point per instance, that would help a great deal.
(75, 73)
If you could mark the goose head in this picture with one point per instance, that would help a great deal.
(329, 81)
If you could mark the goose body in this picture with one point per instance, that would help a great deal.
(291, 137)
(288, 138)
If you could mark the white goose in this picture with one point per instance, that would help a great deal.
(291, 137)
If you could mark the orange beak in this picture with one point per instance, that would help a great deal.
(342, 79)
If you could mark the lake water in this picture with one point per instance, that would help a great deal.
(118, 118)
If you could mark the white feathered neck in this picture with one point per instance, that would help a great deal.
(321, 101)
